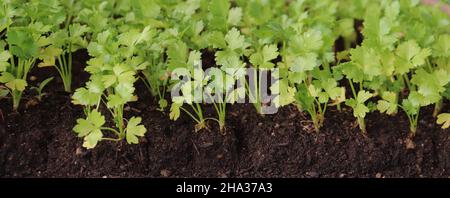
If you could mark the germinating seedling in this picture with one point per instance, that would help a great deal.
(18, 61)
(40, 88)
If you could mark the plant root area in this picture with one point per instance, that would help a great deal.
(38, 141)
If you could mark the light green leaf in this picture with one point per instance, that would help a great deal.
(82, 96)
(235, 16)
(115, 101)
(262, 59)
(363, 96)
(236, 41)
(91, 140)
(17, 84)
(48, 56)
(90, 128)
(219, 10)
(135, 130)
(175, 111)
(360, 110)
(4, 57)
(6, 77)
(22, 43)
(388, 104)
(304, 63)
(444, 120)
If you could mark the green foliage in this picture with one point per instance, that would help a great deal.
(402, 63)
(112, 82)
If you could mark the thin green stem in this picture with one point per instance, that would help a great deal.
(111, 129)
(406, 80)
(438, 107)
(199, 110)
(16, 95)
(353, 88)
(191, 115)
(112, 139)
(429, 65)
(195, 110)
(214, 119)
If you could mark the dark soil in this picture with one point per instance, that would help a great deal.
(39, 142)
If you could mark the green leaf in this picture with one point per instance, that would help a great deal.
(175, 111)
(77, 30)
(446, 94)
(367, 60)
(379, 31)
(90, 128)
(4, 58)
(135, 130)
(48, 56)
(134, 37)
(125, 91)
(430, 85)
(6, 77)
(410, 56)
(95, 85)
(313, 91)
(331, 88)
(146, 9)
(306, 62)
(285, 93)
(44, 83)
(228, 59)
(410, 108)
(308, 42)
(82, 96)
(352, 71)
(441, 48)
(3, 92)
(17, 84)
(177, 54)
(351, 102)
(304, 99)
(388, 104)
(91, 140)
(219, 10)
(363, 96)
(360, 110)
(235, 16)
(22, 43)
(262, 59)
(162, 103)
(444, 120)
(115, 101)
(216, 40)
(236, 41)
(194, 59)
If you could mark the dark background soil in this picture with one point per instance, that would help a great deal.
(39, 142)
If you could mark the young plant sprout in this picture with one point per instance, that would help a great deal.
(212, 54)
(41, 87)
